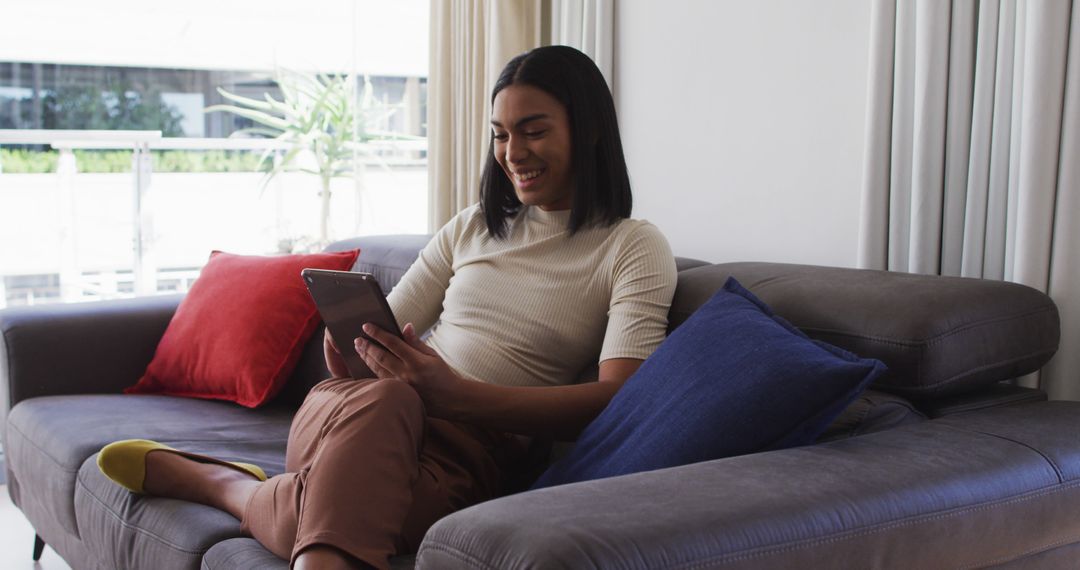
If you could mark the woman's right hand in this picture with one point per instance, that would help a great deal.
(334, 362)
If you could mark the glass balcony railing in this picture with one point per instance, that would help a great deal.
(82, 232)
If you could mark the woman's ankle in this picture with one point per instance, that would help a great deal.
(178, 477)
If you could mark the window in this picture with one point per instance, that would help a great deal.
(69, 201)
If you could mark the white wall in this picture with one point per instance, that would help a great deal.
(743, 124)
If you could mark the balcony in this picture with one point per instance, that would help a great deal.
(75, 236)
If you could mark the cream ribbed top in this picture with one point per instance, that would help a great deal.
(537, 307)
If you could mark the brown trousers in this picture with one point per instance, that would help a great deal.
(368, 472)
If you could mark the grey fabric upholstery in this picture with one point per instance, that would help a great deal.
(871, 412)
(50, 439)
(125, 530)
(938, 335)
(919, 496)
(241, 554)
(996, 395)
(684, 263)
(248, 554)
(310, 370)
(385, 257)
(79, 348)
(1056, 558)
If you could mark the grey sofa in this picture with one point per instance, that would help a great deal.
(942, 464)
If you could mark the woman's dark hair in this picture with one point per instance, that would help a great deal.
(601, 183)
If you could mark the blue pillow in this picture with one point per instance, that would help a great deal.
(733, 379)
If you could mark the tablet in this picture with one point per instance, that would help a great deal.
(346, 300)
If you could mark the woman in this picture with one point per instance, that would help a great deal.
(522, 292)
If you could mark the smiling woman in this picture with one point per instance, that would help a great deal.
(545, 278)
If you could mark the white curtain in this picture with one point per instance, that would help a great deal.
(471, 41)
(972, 163)
(589, 26)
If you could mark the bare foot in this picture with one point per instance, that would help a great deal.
(178, 477)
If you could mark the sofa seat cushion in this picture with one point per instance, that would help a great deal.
(248, 554)
(966, 491)
(49, 439)
(127, 530)
(241, 554)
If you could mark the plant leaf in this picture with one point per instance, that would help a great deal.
(257, 116)
(268, 133)
(253, 103)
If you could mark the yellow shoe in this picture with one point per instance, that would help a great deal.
(125, 462)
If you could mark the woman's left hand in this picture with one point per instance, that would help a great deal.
(412, 361)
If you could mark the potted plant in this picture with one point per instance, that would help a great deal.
(320, 115)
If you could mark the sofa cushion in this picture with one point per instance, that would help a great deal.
(872, 411)
(968, 491)
(240, 331)
(126, 530)
(993, 396)
(248, 554)
(937, 335)
(733, 379)
(50, 438)
(385, 257)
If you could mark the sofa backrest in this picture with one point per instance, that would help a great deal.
(939, 336)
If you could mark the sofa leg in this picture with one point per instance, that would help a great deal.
(39, 547)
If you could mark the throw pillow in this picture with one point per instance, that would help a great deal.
(240, 330)
(733, 379)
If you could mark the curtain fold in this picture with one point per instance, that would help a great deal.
(931, 76)
(959, 144)
(982, 128)
(972, 137)
(589, 26)
(471, 41)
(1064, 370)
(873, 250)
(1002, 144)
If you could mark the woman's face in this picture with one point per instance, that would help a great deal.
(531, 133)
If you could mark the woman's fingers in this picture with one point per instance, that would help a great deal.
(393, 344)
(409, 332)
(397, 357)
(377, 359)
(329, 338)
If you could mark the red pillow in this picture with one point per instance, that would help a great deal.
(240, 330)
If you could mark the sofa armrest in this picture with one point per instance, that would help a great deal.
(970, 490)
(78, 348)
